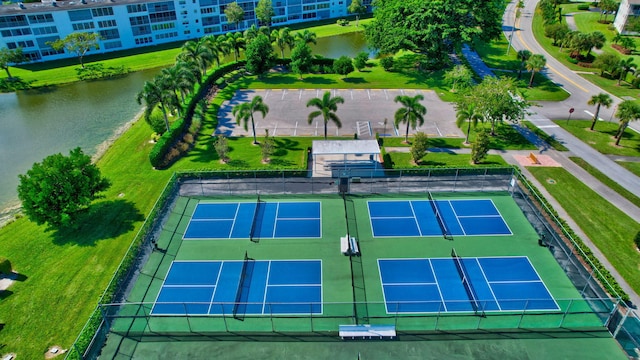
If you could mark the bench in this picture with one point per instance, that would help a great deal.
(344, 245)
(533, 159)
(367, 331)
(349, 245)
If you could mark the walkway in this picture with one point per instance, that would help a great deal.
(580, 90)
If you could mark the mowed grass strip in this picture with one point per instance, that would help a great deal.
(602, 138)
(610, 229)
(634, 167)
(552, 141)
(606, 180)
(402, 160)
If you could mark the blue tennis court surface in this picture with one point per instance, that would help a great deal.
(266, 220)
(435, 285)
(418, 218)
(267, 287)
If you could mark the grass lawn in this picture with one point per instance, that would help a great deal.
(634, 167)
(586, 22)
(593, 215)
(64, 71)
(542, 89)
(494, 54)
(601, 138)
(404, 161)
(544, 136)
(446, 143)
(606, 180)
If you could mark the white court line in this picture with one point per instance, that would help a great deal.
(266, 284)
(444, 304)
(488, 284)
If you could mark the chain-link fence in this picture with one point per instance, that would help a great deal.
(115, 316)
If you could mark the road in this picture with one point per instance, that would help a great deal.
(580, 91)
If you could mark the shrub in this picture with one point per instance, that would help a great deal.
(621, 49)
(5, 266)
(387, 63)
(419, 147)
(583, 7)
(326, 69)
(636, 240)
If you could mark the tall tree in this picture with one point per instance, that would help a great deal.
(628, 111)
(217, 46)
(624, 67)
(596, 40)
(357, 8)
(535, 64)
(259, 54)
(11, 57)
(155, 94)
(199, 53)
(54, 191)
(301, 59)
(602, 99)
(327, 108)
(460, 76)
(467, 112)
(251, 33)
(433, 28)
(234, 13)
(497, 99)
(523, 55)
(181, 77)
(307, 36)
(244, 112)
(411, 113)
(78, 43)
(480, 147)
(264, 12)
(282, 38)
(606, 62)
(235, 42)
(556, 32)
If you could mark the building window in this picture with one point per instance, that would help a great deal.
(83, 26)
(138, 20)
(40, 18)
(106, 11)
(107, 23)
(143, 40)
(45, 30)
(112, 45)
(109, 34)
(13, 21)
(80, 15)
(136, 8)
(15, 32)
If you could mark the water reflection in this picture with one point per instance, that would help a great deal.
(44, 121)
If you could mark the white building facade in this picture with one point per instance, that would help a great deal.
(627, 17)
(126, 24)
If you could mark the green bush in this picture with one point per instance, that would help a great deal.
(387, 63)
(583, 7)
(636, 240)
(5, 266)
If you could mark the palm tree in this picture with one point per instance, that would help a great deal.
(523, 55)
(624, 66)
(470, 115)
(535, 64)
(217, 47)
(412, 113)
(244, 112)
(306, 36)
(251, 33)
(602, 99)
(197, 52)
(235, 42)
(282, 38)
(327, 107)
(154, 94)
(628, 111)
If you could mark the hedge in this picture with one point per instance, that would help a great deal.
(179, 127)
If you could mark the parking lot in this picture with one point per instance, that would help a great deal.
(364, 112)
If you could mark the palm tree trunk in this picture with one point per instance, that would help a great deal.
(493, 128)
(533, 73)
(253, 128)
(406, 136)
(164, 113)
(325, 128)
(619, 137)
(8, 73)
(468, 131)
(595, 117)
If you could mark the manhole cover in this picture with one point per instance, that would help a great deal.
(551, 181)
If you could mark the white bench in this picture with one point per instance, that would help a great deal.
(344, 245)
(367, 331)
(354, 246)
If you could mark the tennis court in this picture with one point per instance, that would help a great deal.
(244, 220)
(471, 284)
(241, 288)
(460, 217)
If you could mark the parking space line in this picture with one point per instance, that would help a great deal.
(284, 92)
(266, 94)
(295, 129)
(386, 96)
(275, 129)
(300, 95)
(369, 94)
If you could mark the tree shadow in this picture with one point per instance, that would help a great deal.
(283, 146)
(237, 163)
(5, 294)
(320, 80)
(281, 162)
(355, 80)
(101, 221)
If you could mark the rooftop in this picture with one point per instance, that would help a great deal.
(53, 5)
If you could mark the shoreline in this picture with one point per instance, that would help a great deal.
(9, 211)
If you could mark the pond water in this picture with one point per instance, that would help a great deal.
(38, 123)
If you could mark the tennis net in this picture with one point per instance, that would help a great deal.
(256, 215)
(436, 211)
(239, 307)
(465, 281)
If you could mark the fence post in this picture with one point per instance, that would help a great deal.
(612, 312)
(621, 324)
